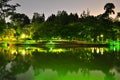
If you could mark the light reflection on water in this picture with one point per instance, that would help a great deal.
(42, 63)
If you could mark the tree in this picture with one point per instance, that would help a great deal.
(9, 33)
(6, 9)
(20, 19)
(118, 16)
(38, 18)
(85, 14)
(2, 26)
(51, 18)
(73, 17)
(62, 17)
(108, 10)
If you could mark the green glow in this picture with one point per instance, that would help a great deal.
(115, 48)
(27, 42)
(115, 45)
(53, 75)
(4, 44)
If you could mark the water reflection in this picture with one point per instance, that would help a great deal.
(42, 63)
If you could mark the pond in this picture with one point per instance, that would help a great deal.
(59, 63)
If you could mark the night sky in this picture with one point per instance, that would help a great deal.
(48, 7)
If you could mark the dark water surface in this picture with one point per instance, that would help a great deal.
(50, 63)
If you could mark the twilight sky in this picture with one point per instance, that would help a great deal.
(48, 7)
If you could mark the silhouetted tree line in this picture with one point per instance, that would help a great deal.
(63, 25)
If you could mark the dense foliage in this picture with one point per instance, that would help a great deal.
(63, 26)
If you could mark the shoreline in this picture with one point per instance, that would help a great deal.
(57, 43)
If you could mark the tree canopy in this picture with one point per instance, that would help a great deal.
(64, 25)
(6, 9)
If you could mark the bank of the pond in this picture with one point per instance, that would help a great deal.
(57, 43)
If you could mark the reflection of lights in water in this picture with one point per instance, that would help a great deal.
(51, 49)
(102, 50)
(98, 51)
(93, 50)
(115, 45)
(27, 48)
(14, 52)
(115, 48)
(39, 50)
(58, 50)
(23, 52)
(50, 44)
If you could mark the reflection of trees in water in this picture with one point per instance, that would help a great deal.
(109, 76)
(17, 66)
(4, 73)
(68, 62)
(104, 63)
(63, 62)
(20, 65)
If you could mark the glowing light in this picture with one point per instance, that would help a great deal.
(98, 50)
(13, 52)
(51, 49)
(58, 50)
(23, 52)
(102, 50)
(101, 35)
(93, 50)
(114, 45)
(23, 36)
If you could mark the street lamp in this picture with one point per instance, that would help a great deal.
(102, 37)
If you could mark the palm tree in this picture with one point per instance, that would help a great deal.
(108, 9)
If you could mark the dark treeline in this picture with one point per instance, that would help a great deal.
(62, 25)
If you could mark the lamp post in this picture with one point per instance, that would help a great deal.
(102, 37)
